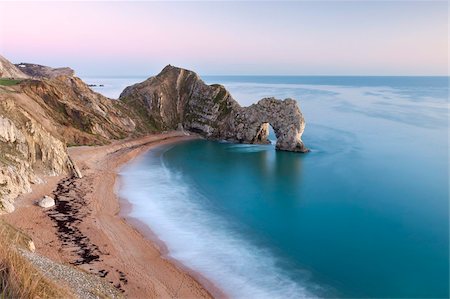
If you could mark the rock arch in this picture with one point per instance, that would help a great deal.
(179, 98)
(251, 124)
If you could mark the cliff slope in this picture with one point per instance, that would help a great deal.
(39, 118)
(9, 70)
(41, 71)
(27, 150)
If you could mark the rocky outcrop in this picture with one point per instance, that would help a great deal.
(38, 71)
(178, 96)
(251, 124)
(9, 70)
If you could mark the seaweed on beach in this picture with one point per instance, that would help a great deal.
(67, 215)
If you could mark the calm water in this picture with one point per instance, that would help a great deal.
(364, 214)
(112, 86)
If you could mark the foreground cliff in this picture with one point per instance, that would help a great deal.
(40, 117)
(179, 98)
(27, 150)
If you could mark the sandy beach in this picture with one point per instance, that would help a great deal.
(89, 230)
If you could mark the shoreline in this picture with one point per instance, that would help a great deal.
(147, 232)
(126, 252)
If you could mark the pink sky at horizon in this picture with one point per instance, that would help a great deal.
(289, 38)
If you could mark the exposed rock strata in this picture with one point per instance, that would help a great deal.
(178, 96)
(84, 117)
(251, 124)
(27, 150)
(39, 118)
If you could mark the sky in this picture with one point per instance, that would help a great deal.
(241, 38)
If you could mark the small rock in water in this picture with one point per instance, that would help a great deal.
(46, 202)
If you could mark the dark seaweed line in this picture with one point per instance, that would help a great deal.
(67, 215)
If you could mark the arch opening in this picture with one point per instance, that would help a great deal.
(265, 134)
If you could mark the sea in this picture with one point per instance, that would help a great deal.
(364, 214)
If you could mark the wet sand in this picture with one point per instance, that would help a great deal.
(88, 229)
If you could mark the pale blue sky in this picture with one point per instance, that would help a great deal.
(289, 38)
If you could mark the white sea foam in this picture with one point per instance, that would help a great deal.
(200, 239)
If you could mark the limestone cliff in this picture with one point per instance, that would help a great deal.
(84, 117)
(27, 150)
(251, 124)
(178, 96)
(40, 117)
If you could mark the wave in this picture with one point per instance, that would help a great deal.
(200, 239)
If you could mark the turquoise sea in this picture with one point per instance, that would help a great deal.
(364, 214)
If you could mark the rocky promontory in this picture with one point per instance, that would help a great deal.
(179, 98)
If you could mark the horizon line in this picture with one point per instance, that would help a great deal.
(259, 75)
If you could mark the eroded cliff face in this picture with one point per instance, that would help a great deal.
(40, 117)
(178, 96)
(27, 151)
(84, 117)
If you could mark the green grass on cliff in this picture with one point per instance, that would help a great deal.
(8, 82)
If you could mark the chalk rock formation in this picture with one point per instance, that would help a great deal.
(251, 124)
(27, 150)
(38, 71)
(9, 70)
(178, 96)
(46, 202)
